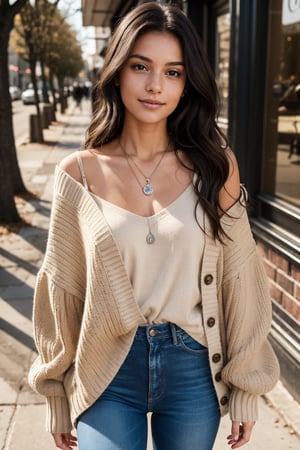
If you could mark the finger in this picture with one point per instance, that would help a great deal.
(247, 430)
(71, 438)
(235, 431)
(244, 435)
(62, 441)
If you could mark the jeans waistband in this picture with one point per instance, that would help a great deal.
(159, 331)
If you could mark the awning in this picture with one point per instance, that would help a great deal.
(99, 13)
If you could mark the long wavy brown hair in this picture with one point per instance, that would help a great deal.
(192, 126)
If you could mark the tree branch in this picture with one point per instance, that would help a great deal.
(16, 7)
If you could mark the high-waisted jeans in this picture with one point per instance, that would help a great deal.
(166, 373)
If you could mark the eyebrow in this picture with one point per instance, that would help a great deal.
(146, 59)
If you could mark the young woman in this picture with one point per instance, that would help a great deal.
(151, 297)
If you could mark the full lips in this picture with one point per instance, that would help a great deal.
(151, 104)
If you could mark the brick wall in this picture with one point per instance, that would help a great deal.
(284, 279)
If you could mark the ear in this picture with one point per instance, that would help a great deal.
(117, 80)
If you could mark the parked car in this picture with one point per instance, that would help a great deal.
(28, 96)
(15, 93)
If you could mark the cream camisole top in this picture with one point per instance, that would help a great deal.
(164, 275)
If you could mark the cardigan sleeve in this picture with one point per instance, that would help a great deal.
(56, 320)
(58, 305)
(251, 367)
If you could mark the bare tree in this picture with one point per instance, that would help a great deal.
(64, 58)
(36, 18)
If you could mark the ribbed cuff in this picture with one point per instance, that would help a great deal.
(243, 406)
(58, 415)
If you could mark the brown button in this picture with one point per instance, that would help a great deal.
(153, 332)
(218, 376)
(224, 400)
(216, 357)
(208, 279)
(211, 321)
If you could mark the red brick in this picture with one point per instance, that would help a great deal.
(262, 249)
(297, 291)
(275, 292)
(278, 260)
(270, 269)
(295, 272)
(285, 282)
(291, 306)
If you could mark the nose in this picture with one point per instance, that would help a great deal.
(154, 83)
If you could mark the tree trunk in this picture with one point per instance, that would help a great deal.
(44, 80)
(62, 98)
(10, 176)
(52, 88)
(32, 64)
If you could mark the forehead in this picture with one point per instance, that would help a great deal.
(156, 43)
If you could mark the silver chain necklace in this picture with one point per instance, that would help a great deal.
(150, 238)
(147, 189)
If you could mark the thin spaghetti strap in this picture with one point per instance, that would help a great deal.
(80, 164)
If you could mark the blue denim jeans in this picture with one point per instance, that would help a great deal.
(166, 373)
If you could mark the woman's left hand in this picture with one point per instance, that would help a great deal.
(240, 433)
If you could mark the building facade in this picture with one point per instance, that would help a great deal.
(254, 49)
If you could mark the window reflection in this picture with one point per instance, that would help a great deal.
(222, 65)
(286, 89)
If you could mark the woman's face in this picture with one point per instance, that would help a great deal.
(153, 78)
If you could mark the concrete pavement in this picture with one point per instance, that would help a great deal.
(22, 412)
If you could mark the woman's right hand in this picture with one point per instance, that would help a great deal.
(65, 441)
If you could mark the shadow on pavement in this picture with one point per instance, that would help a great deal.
(17, 334)
(31, 268)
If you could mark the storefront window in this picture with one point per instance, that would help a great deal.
(222, 65)
(282, 163)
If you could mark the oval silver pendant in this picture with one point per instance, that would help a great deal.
(148, 189)
(150, 239)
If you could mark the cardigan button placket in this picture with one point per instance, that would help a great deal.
(218, 376)
(224, 400)
(216, 357)
(211, 322)
(208, 279)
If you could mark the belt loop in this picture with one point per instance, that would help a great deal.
(174, 334)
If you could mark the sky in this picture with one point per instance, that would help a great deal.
(71, 9)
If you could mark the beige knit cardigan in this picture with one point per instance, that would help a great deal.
(85, 314)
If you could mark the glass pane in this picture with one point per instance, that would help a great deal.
(284, 103)
(222, 65)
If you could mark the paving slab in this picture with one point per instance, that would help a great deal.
(27, 430)
(6, 415)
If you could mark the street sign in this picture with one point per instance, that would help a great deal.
(290, 12)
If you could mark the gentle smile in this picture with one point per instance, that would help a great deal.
(151, 103)
(154, 102)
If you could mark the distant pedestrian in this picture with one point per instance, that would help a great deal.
(78, 94)
(152, 297)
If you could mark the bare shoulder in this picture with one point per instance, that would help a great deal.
(70, 165)
(230, 192)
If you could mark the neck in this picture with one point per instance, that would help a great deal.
(143, 144)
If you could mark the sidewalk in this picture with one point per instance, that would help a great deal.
(22, 412)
